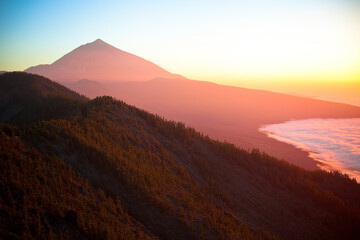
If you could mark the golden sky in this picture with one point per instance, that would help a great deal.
(309, 48)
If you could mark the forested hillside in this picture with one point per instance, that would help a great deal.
(102, 169)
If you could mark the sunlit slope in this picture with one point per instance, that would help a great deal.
(223, 112)
(43, 198)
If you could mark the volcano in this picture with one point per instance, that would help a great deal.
(99, 61)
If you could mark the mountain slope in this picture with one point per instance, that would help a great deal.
(101, 62)
(224, 112)
(174, 182)
(42, 198)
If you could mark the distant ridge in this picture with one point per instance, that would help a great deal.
(28, 97)
(99, 61)
(32, 86)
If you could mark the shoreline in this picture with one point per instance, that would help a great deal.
(332, 164)
(288, 152)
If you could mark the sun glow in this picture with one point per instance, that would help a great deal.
(274, 45)
(300, 44)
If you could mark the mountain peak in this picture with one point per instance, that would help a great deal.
(100, 61)
(98, 43)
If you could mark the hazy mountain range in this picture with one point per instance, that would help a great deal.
(223, 112)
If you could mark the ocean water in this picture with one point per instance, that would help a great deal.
(333, 143)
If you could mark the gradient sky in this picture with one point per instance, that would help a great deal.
(303, 47)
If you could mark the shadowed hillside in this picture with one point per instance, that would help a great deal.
(27, 98)
(171, 182)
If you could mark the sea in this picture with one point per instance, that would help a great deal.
(333, 143)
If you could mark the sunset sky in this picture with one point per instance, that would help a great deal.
(305, 47)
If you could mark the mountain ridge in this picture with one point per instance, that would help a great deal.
(226, 113)
(174, 182)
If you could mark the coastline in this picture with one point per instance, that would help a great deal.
(321, 146)
(287, 152)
